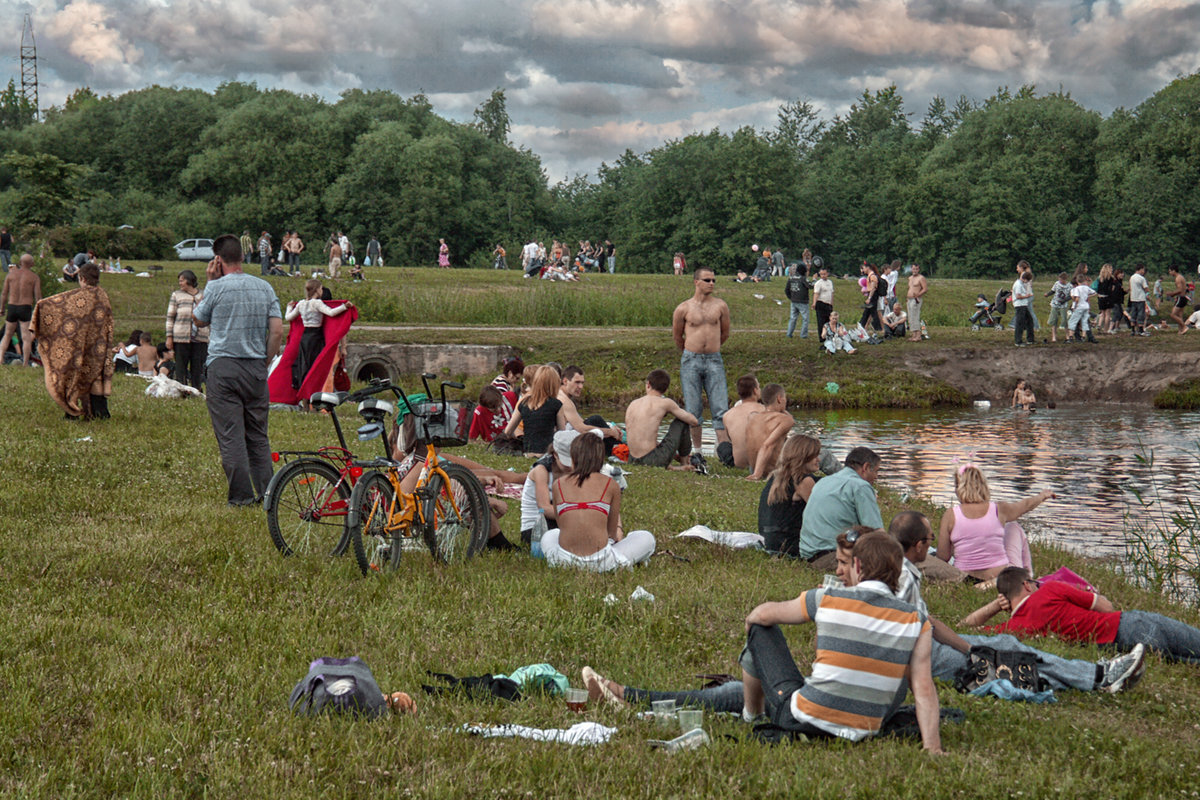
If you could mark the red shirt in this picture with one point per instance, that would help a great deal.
(483, 424)
(1065, 610)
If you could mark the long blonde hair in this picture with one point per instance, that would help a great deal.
(545, 386)
(1106, 272)
(970, 485)
(797, 451)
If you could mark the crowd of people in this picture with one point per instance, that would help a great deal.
(556, 263)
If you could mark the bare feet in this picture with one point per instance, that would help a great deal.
(598, 686)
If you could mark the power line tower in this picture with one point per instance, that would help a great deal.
(29, 80)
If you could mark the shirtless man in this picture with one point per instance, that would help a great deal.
(569, 392)
(700, 326)
(22, 290)
(917, 287)
(642, 419)
(766, 431)
(1180, 298)
(733, 452)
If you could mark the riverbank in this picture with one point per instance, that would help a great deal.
(618, 328)
(154, 635)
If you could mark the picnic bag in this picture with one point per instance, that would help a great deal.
(338, 685)
(987, 664)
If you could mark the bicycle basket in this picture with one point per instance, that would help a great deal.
(439, 425)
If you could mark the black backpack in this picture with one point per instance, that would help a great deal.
(341, 685)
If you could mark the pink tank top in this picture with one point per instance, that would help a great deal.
(978, 543)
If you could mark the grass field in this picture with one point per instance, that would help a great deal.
(153, 635)
(618, 329)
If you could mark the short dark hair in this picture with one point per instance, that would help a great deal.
(770, 392)
(746, 386)
(189, 277)
(659, 380)
(490, 397)
(880, 558)
(146, 338)
(696, 272)
(228, 247)
(1009, 581)
(513, 366)
(862, 457)
(909, 528)
(571, 372)
(89, 273)
(162, 348)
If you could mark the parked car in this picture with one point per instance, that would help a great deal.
(194, 250)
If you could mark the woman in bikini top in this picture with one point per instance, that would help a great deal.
(587, 500)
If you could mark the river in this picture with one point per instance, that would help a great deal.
(1086, 454)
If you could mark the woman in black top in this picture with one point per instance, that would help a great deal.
(781, 506)
(541, 412)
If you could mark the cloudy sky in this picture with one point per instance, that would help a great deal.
(586, 79)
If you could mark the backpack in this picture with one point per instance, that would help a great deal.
(341, 685)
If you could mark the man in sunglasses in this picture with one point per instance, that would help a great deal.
(1077, 615)
(700, 326)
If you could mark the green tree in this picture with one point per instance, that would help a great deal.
(491, 118)
(47, 188)
(15, 111)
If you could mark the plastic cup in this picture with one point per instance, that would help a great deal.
(577, 700)
(690, 719)
(664, 712)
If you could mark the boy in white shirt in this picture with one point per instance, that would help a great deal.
(1138, 289)
(1081, 310)
(1022, 295)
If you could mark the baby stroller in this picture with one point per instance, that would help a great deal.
(988, 315)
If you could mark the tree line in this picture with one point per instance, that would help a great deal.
(970, 189)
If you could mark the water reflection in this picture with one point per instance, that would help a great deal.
(1087, 455)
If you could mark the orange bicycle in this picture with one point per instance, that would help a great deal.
(447, 507)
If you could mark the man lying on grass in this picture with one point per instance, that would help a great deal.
(872, 648)
(946, 659)
(1081, 616)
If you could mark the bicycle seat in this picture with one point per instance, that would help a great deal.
(326, 400)
(374, 409)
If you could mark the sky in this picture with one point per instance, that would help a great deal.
(587, 79)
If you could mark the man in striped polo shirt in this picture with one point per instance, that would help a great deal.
(870, 648)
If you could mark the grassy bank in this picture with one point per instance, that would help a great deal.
(617, 328)
(153, 635)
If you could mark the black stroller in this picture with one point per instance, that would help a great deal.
(988, 315)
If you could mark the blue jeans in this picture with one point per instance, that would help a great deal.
(5, 259)
(1175, 640)
(727, 697)
(798, 310)
(1061, 673)
(704, 372)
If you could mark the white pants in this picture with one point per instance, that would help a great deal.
(635, 548)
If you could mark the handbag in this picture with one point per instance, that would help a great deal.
(986, 664)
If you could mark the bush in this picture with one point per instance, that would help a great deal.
(105, 241)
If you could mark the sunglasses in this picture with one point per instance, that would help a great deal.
(707, 280)
(852, 536)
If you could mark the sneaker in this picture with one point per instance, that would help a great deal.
(1123, 672)
(499, 542)
(699, 464)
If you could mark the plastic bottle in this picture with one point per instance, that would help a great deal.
(691, 740)
(535, 537)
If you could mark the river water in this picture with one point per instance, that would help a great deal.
(1086, 454)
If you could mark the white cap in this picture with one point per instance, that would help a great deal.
(562, 446)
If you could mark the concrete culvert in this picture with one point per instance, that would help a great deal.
(373, 368)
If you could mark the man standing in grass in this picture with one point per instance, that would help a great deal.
(917, 287)
(1139, 288)
(6, 246)
(1179, 293)
(700, 326)
(22, 291)
(245, 328)
(822, 300)
(1022, 296)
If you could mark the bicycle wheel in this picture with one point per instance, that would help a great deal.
(306, 504)
(455, 531)
(369, 505)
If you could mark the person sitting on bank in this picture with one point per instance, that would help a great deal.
(588, 506)
(981, 536)
(643, 418)
(535, 494)
(786, 493)
(540, 413)
(840, 501)
(894, 323)
(1077, 615)
(733, 452)
(766, 431)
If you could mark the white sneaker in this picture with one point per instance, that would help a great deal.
(1123, 672)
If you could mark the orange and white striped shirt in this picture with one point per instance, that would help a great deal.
(865, 638)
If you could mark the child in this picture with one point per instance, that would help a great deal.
(166, 361)
(1060, 302)
(147, 354)
(483, 423)
(125, 356)
(1023, 397)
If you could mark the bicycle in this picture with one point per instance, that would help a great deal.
(447, 507)
(308, 499)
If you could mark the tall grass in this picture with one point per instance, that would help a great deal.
(1162, 549)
